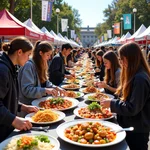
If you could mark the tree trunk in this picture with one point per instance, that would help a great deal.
(12, 6)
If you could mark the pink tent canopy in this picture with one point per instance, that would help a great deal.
(11, 27)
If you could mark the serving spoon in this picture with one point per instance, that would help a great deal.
(41, 128)
(123, 129)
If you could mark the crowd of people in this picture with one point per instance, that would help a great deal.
(124, 73)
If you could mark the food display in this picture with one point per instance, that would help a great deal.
(56, 103)
(90, 133)
(90, 89)
(73, 94)
(71, 86)
(73, 80)
(94, 111)
(39, 142)
(46, 115)
(98, 96)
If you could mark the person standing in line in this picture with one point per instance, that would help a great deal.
(57, 71)
(18, 51)
(133, 107)
(33, 76)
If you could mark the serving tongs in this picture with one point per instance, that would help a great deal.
(45, 129)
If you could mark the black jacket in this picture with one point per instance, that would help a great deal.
(8, 95)
(57, 69)
(135, 111)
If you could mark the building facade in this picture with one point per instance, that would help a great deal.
(88, 36)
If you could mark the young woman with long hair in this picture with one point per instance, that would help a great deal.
(100, 65)
(112, 73)
(33, 77)
(17, 53)
(133, 107)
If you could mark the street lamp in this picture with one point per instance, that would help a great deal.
(134, 11)
(121, 25)
(57, 12)
(113, 31)
(67, 30)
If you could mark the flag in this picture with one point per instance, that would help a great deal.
(127, 21)
(105, 37)
(117, 28)
(102, 37)
(109, 34)
(64, 24)
(72, 33)
(75, 36)
(46, 10)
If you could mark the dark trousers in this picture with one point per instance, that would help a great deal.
(137, 141)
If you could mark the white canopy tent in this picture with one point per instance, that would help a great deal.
(57, 37)
(56, 41)
(144, 36)
(63, 39)
(123, 40)
(138, 32)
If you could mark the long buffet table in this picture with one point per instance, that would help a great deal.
(67, 146)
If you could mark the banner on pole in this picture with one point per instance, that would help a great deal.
(127, 21)
(64, 24)
(72, 33)
(105, 37)
(109, 34)
(46, 10)
(117, 28)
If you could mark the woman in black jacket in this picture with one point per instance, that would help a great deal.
(18, 52)
(133, 108)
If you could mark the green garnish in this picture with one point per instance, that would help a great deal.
(91, 98)
(94, 105)
(78, 94)
(43, 138)
(107, 141)
(57, 101)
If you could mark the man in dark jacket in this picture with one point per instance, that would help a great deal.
(57, 71)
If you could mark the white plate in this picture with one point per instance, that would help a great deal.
(63, 86)
(91, 94)
(53, 140)
(74, 101)
(61, 116)
(81, 90)
(119, 136)
(77, 114)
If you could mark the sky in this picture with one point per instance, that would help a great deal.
(91, 11)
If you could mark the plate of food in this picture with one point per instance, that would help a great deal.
(45, 116)
(93, 133)
(98, 96)
(73, 80)
(35, 141)
(74, 94)
(71, 86)
(57, 103)
(94, 111)
(90, 89)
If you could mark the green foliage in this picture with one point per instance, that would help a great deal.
(119, 7)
